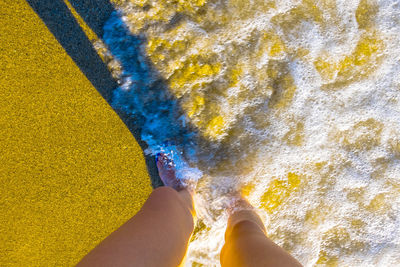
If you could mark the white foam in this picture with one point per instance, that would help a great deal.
(345, 151)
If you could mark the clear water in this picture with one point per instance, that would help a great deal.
(295, 103)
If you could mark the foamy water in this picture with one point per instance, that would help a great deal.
(295, 103)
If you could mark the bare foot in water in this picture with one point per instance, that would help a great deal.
(166, 170)
(238, 202)
(239, 210)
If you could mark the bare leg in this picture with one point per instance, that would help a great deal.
(157, 235)
(246, 243)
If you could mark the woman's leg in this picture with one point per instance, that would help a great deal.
(157, 235)
(246, 243)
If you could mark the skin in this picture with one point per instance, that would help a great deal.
(159, 233)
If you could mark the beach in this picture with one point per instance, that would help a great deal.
(71, 172)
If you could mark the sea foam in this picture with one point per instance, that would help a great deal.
(294, 103)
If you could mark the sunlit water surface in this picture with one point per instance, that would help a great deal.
(295, 103)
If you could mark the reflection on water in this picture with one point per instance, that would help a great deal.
(296, 103)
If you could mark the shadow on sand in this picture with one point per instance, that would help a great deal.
(63, 25)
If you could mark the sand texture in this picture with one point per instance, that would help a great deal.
(70, 172)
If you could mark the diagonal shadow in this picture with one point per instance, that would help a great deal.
(94, 12)
(63, 25)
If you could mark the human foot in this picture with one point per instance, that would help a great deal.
(240, 210)
(238, 202)
(166, 170)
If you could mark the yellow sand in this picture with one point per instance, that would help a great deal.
(70, 171)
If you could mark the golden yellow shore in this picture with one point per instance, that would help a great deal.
(70, 170)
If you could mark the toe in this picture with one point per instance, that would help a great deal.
(166, 170)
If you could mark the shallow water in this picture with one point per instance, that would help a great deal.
(295, 103)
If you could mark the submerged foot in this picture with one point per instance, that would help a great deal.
(238, 202)
(166, 170)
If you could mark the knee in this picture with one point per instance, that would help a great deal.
(167, 200)
(161, 199)
(164, 191)
(245, 228)
(244, 221)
